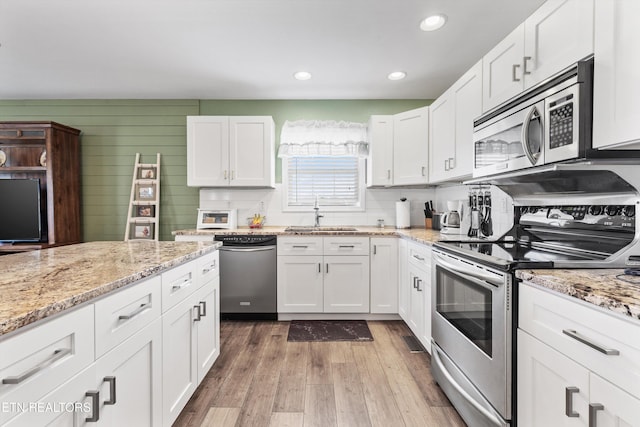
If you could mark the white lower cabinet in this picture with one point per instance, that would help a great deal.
(562, 378)
(404, 290)
(189, 348)
(336, 282)
(129, 379)
(417, 291)
(384, 275)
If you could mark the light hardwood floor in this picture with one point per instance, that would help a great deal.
(260, 379)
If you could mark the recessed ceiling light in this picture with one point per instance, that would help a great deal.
(397, 75)
(433, 22)
(302, 75)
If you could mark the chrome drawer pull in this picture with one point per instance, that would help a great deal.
(347, 246)
(584, 340)
(57, 355)
(184, 283)
(568, 401)
(207, 269)
(135, 312)
(112, 390)
(419, 258)
(593, 413)
(300, 246)
(95, 405)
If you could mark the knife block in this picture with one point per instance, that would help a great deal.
(428, 223)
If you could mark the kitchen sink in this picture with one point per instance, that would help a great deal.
(307, 229)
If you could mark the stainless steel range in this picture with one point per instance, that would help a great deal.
(564, 217)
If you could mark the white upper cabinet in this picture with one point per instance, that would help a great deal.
(451, 127)
(230, 151)
(411, 147)
(380, 161)
(616, 106)
(556, 35)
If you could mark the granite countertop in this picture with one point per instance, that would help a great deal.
(38, 284)
(606, 288)
(420, 235)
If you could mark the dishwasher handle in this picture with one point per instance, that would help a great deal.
(246, 249)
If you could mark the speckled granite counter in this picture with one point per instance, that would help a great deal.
(39, 284)
(420, 235)
(599, 287)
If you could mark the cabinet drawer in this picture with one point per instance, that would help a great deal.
(552, 318)
(303, 245)
(122, 314)
(178, 283)
(346, 245)
(420, 255)
(38, 360)
(208, 267)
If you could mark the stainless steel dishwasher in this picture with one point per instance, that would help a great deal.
(248, 277)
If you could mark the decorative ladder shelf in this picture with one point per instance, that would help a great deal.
(143, 218)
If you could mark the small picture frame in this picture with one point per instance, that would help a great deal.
(146, 192)
(142, 231)
(147, 211)
(147, 173)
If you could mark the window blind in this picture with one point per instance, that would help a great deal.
(335, 180)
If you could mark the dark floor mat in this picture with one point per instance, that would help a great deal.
(329, 330)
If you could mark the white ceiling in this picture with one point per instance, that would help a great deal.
(243, 49)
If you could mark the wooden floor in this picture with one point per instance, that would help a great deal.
(260, 379)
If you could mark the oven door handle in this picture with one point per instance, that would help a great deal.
(475, 276)
(488, 415)
(246, 249)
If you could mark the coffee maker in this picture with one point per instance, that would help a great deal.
(452, 219)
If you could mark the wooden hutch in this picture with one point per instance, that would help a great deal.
(50, 152)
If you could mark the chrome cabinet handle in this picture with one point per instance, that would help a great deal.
(415, 282)
(232, 175)
(593, 413)
(327, 267)
(184, 283)
(112, 390)
(135, 312)
(585, 340)
(524, 62)
(513, 72)
(347, 246)
(319, 267)
(375, 249)
(198, 313)
(95, 405)
(418, 287)
(210, 267)
(568, 401)
(300, 246)
(57, 355)
(423, 171)
(419, 258)
(452, 163)
(225, 174)
(446, 165)
(204, 308)
(388, 173)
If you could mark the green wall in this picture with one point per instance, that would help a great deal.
(113, 131)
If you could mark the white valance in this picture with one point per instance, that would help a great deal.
(323, 138)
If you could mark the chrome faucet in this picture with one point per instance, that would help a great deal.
(316, 207)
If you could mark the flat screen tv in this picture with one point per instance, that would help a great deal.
(20, 214)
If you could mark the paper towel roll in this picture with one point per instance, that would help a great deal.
(402, 214)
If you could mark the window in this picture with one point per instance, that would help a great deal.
(337, 182)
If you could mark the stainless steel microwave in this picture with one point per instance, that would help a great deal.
(548, 123)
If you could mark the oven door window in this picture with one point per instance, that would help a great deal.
(466, 306)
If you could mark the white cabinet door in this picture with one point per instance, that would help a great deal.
(384, 275)
(251, 151)
(208, 327)
(611, 406)
(544, 376)
(73, 393)
(207, 151)
(558, 34)
(129, 379)
(179, 359)
(411, 147)
(616, 105)
(300, 284)
(346, 284)
(442, 138)
(416, 303)
(467, 97)
(404, 284)
(502, 70)
(380, 161)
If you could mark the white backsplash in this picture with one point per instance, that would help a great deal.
(380, 204)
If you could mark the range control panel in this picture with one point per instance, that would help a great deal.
(579, 216)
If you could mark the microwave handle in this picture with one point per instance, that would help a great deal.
(533, 157)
